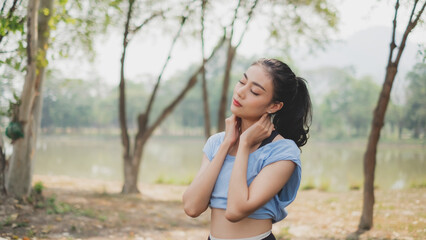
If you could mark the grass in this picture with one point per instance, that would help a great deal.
(324, 185)
(355, 186)
(284, 234)
(309, 185)
(53, 206)
(173, 181)
(418, 184)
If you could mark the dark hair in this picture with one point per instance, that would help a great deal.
(292, 121)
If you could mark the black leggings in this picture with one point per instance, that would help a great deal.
(269, 237)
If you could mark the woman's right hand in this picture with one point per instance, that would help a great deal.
(232, 130)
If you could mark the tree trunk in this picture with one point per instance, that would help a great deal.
(43, 44)
(370, 155)
(127, 158)
(400, 127)
(2, 167)
(131, 174)
(416, 133)
(207, 125)
(223, 105)
(20, 171)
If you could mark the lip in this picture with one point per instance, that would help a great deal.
(236, 103)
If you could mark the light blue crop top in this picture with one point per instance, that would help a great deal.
(283, 149)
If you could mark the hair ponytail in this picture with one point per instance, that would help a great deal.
(292, 121)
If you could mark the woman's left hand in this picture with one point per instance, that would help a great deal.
(258, 131)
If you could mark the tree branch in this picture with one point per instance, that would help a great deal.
(154, 92)
(122, 89)
(12, 9)
(146, 21)
(189, 85)
(413, 11)
(250, 14)
(233, 22)
(410, 26)
(392, 44)
(203, 8)
(9, 15)
(2, 7)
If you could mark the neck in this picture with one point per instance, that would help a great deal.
(246, 123)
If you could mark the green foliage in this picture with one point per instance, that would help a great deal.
(308, 21)
(346, 109)
(324, 185)
(14, 131)
(284, 234)
(354, 186)
(309, 185)
(416, 100)
(13, 24)
(418, 184)
(53, 206)
(38, 187)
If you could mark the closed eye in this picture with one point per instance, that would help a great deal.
(241, 82)
(256, 94)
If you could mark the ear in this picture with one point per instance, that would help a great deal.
(275, 107)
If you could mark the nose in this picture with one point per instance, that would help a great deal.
(240, 91)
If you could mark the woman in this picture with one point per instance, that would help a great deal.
(252, 171)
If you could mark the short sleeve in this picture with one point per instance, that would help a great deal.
(285, 150)
(212, 145)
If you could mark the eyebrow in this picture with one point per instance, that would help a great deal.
(255, 83)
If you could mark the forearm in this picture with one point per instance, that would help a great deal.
(197, 196)
(238, 193)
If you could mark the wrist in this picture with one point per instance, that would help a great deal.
(226, 144)
(244, 144)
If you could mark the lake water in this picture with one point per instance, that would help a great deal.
(335, 166)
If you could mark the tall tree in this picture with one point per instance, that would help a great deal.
(132, 159)
(207, 127)
(366, 221)
(415, 116)
(2, 167)
(20, 173)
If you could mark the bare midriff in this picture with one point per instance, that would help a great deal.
(248, 227)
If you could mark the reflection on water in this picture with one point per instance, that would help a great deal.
(334, 165)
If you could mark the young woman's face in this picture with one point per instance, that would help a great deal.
(253, 94)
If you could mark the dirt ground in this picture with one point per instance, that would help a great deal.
(90, 209)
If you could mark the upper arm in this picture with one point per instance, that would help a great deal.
(270, 180)
(204, 163)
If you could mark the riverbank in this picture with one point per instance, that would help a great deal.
(92, 209)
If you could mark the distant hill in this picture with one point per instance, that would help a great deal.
(366, 52)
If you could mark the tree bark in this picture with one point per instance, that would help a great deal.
(43, 45)
(207, 125)
(19, 177)
(3, 191)
(366, 221)
(225, 87)
(127, 159)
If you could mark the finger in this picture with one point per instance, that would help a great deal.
(263, 119)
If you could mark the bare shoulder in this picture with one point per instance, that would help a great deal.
(278, 137)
